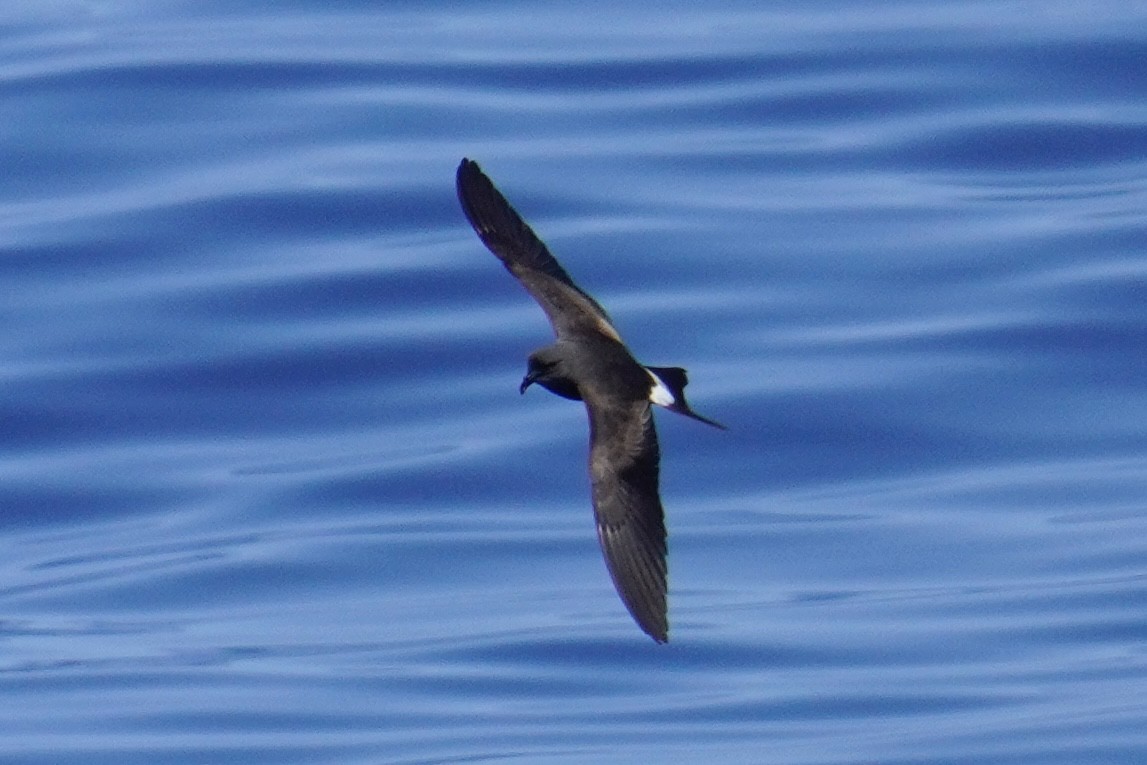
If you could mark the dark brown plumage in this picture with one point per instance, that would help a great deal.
(589, 362)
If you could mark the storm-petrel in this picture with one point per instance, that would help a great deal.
(589, 362)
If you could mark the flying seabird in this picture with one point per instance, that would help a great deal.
(589, 362)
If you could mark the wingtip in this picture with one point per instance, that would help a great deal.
(472, 186)
(466, 167)
(657, 628)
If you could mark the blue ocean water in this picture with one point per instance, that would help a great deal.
(268, 492)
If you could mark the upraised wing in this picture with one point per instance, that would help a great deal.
(623, 466)
(570, 310)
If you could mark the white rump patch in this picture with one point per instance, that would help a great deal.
(660, 394)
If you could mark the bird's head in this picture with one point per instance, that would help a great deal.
(546, 367)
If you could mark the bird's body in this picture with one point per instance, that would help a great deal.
(589, 362)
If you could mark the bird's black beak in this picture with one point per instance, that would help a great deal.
(527, 381)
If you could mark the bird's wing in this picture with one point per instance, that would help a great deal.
(623, 465)
(570, 310)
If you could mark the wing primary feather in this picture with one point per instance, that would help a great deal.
(500, 227)
(502, 230)
(630, 520)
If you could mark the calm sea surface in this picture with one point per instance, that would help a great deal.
(268, 492)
